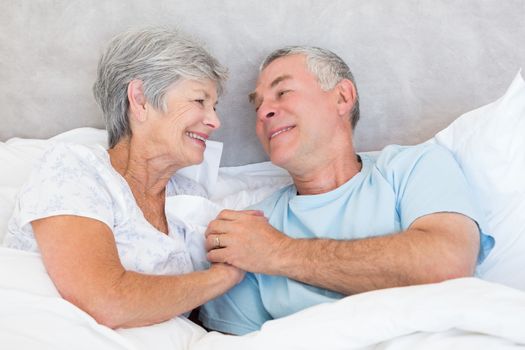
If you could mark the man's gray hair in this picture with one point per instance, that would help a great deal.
(159, 57)
(329, 69)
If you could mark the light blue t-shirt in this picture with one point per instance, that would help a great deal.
(386, 196)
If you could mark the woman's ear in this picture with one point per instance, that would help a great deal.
(346, 96)
(137, 100)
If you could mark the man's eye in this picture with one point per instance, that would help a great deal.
(281, 93)
(201, 102)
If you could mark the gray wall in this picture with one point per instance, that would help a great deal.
(418, 63)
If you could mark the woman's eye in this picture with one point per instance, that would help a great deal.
(201, 102)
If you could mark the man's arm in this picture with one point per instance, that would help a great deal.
(434, 248)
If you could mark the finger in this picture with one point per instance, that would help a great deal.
(211, 228)
(230, 215)
(215, 242)
(209, 243)
(254, 212)
(236, 214)
(216, 256)
(218, 227)
(227, 214)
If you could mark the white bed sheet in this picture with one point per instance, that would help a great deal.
(463, 314)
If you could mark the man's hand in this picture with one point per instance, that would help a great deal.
(246, 240)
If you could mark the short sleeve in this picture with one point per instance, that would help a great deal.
(239, 311)
(65, 182)
(427, 180)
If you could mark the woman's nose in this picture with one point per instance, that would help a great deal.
(212, 120)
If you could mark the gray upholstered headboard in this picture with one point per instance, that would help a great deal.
(418, 63)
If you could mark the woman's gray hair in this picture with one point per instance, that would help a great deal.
(329, 69)
(159, 57)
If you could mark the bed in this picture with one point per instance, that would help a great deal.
(427, 71)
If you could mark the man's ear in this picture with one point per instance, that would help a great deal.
(346, 96)
(137, 100)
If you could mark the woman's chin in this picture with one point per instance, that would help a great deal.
(196, 159)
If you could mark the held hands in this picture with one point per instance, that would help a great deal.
(246, 240)
(233, 274)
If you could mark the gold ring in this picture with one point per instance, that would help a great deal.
(217, 242)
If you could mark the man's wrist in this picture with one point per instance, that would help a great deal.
(284, 256)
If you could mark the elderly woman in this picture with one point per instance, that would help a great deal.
(98, 216)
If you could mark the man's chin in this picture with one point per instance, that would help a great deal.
(279, 161)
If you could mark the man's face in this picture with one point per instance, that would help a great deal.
(296, 119)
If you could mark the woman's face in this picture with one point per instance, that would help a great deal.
(179, 133)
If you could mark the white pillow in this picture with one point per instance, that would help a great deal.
(18, 155)
(489, 144)
(206, 172)
(242, 186)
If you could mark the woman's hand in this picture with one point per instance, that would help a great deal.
(232, 274)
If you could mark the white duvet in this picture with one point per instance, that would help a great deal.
(459, 314)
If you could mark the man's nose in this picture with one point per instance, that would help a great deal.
(266, 110)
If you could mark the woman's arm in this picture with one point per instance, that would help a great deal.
(80, 255)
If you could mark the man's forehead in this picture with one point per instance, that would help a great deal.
(283, 66)
(279, 70)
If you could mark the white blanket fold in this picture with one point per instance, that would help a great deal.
(469, 305)
(464, 313)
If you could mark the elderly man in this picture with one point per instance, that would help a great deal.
(349, 223)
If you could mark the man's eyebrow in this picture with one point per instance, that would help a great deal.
(253, 95)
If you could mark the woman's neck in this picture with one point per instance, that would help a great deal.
(147, 179)
(146, 174)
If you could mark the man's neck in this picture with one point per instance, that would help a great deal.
(327, 177)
